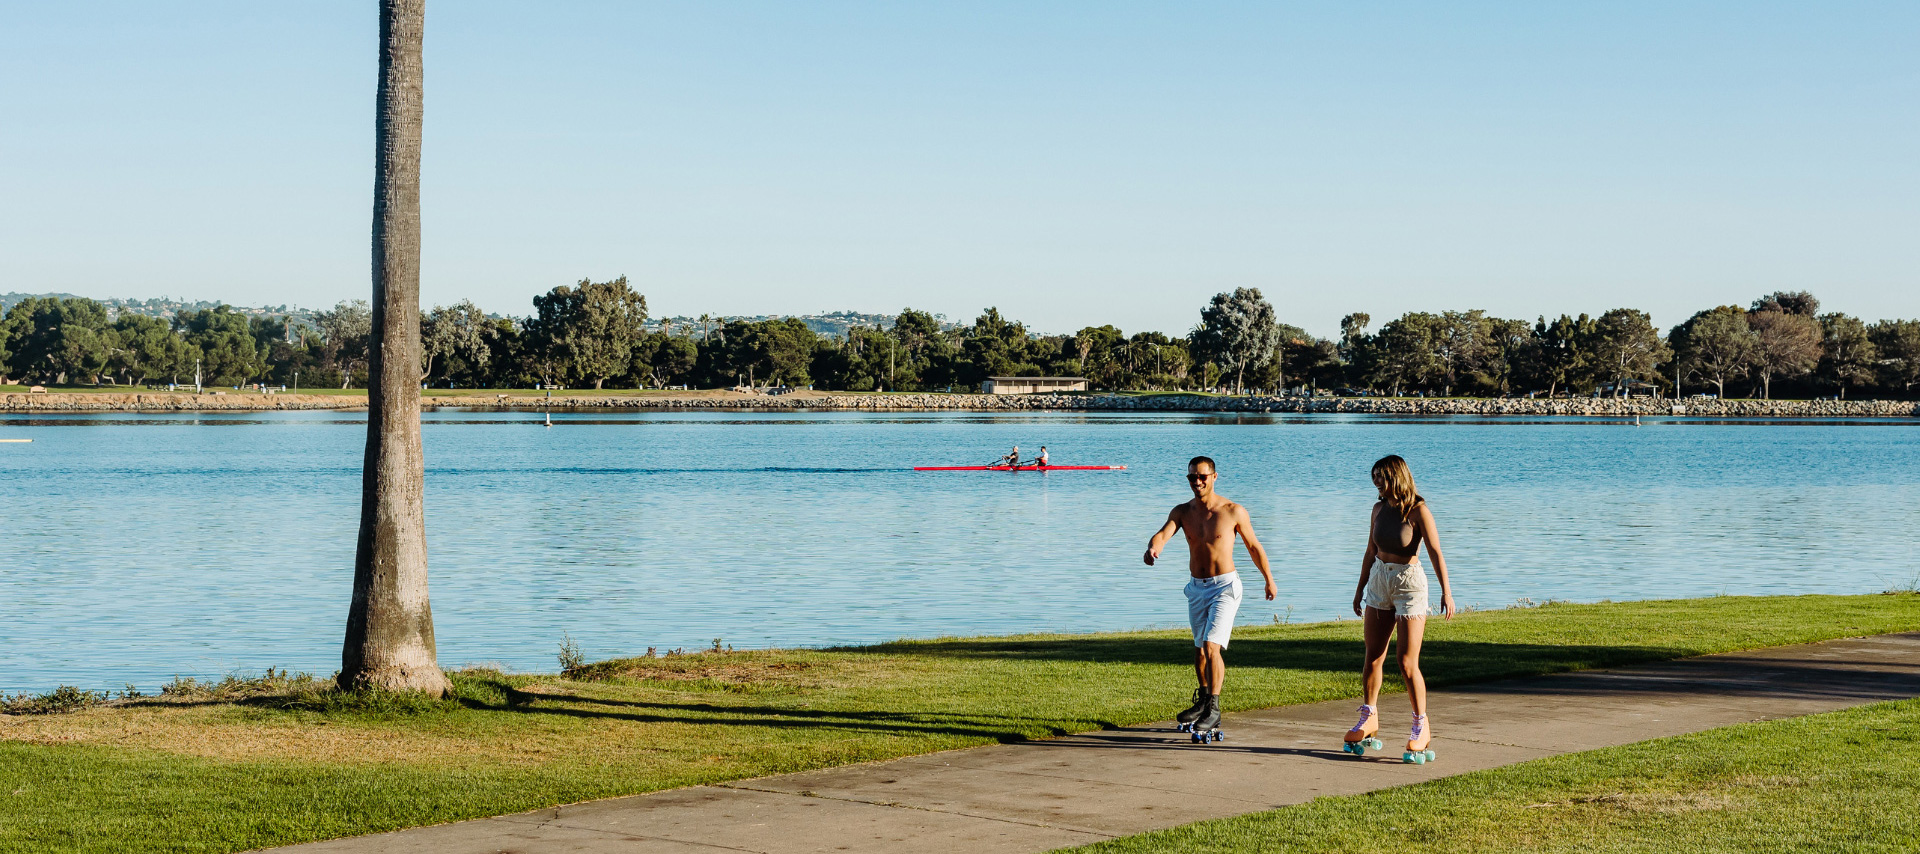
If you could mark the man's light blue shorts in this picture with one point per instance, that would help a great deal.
(1211, 606)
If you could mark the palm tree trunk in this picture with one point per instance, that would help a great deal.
(389, 641)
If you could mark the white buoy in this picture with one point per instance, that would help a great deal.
(18, 441)
(549, 419)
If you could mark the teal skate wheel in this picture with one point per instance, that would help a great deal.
(1429, 755)
(1414, 758)
(1374, 744)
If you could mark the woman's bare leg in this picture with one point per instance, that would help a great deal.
(1412, 629)
(1377, 626)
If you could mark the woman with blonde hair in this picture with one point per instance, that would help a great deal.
(1393, 594)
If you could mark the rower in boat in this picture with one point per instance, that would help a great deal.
(1011, 462)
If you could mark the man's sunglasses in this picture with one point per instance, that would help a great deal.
(1200, 476)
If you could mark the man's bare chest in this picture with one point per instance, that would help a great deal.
(1208, 526)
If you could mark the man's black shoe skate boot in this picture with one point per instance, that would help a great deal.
(1186, 718)
(1207, 727)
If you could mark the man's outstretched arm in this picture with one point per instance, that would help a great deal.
(1244, 524)
(1161, 537)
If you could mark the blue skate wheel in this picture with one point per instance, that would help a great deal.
(1219, 736)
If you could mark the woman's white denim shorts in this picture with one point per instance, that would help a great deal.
(1397, 587)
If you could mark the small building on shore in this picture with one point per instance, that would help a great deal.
(1033, 385)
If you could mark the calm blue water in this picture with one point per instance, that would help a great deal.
(140, 547)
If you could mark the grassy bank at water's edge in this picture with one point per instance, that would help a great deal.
(207, 774)
(1845, 782)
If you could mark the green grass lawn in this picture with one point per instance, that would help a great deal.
(484, 393)
(326, 390)
(1846, 781)
(79, 389)
(161, 388)
(202, 773)
(558, 392)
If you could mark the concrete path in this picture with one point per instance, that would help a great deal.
(1037, 796)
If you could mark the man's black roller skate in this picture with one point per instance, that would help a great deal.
(1183, 722)
(1207, 727)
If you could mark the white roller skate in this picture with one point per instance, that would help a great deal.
(1361, 738)
(1418, 753)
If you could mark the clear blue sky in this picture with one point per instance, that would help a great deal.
(1072, 163)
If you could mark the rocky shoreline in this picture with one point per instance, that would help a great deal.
(244, 402)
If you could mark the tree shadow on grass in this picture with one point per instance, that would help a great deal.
(1727, 676)
(1494, 667)
(1442, 662)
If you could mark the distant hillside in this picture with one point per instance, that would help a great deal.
(833, 323)
(165, 307)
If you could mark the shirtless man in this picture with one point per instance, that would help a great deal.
(1213, 594)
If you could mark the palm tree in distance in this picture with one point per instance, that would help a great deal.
(389, 642)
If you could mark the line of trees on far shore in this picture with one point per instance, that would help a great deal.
(597, 334)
